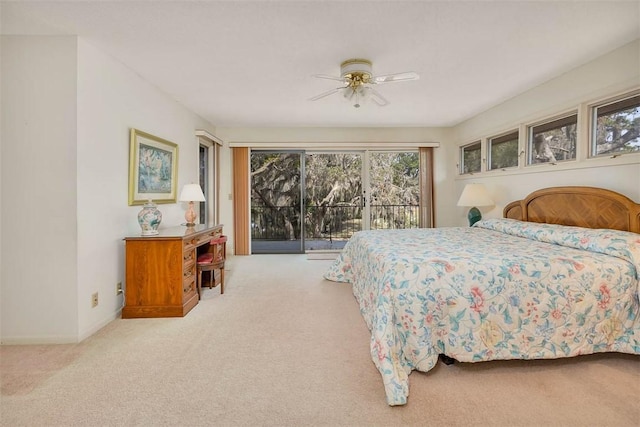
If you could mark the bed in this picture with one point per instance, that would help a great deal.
(557, 277)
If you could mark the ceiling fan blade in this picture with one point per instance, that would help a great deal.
(398, 77)
(377, 98)
(327, 93)
(324, 76)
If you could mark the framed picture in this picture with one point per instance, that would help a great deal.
(153, 169)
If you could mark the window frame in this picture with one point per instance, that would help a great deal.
(610, 105)
(584, 137)
(553, 123)
(461, 170)
(209, 176)
(503, 138)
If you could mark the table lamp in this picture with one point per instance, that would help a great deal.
(191, 193)
(474, 195)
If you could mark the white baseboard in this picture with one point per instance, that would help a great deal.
(59, 339)
(36, 339)
(101, 324)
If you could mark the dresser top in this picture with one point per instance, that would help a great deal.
(178, 232)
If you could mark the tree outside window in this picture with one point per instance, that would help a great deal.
(553, 141)
(616, 127)
(471, 158)
(503, 151)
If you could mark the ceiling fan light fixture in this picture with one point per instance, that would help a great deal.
(356, 66)
(357, 94)
(356, 75)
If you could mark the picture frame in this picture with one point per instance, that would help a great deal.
(153, 169)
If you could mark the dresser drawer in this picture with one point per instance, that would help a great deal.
(188, 246)
(189, 268)
(188, 255)
(188, 286)
(204, 238)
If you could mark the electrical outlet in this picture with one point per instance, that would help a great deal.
(118, 288)
(94, 300)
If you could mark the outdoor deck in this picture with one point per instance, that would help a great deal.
(294, 246)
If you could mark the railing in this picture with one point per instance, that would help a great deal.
(275, 223)
(327, 222)
(394, 216)
(332, 222)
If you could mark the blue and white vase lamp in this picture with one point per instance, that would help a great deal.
(149, 219)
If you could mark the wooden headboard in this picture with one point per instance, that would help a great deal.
(587, 207)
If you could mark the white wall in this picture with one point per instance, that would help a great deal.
(111, 100)
(66, 145)
(39, 264)
(616, 72)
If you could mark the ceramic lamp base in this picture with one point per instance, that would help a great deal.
(190, 216)
(149, 219)
(474, 216)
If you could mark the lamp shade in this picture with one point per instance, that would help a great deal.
(475, 195)
(192, 193)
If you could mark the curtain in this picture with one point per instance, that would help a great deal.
(426, 187)
(241, 209)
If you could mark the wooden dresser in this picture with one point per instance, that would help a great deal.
(161, 271)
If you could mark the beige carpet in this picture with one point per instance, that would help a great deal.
(283, 347)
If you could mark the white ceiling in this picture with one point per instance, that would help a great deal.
(250, 63)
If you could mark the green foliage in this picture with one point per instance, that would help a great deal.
(275, 193)
(504, 154)
(394, 178)
(554, 145)
(618, 132)
(333, 196)
(472, 158)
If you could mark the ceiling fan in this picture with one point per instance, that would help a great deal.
(357, 80)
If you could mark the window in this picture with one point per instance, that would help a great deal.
(208, 178)
(305, 200)
(204, 181)
(553, 141)
(503, 151)
(616, 127)
(471, 158)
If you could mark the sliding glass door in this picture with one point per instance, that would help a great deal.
(276, 202)
(394, 189)
(304, 201)
(334, 199)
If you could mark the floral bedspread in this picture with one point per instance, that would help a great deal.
(503, 289)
